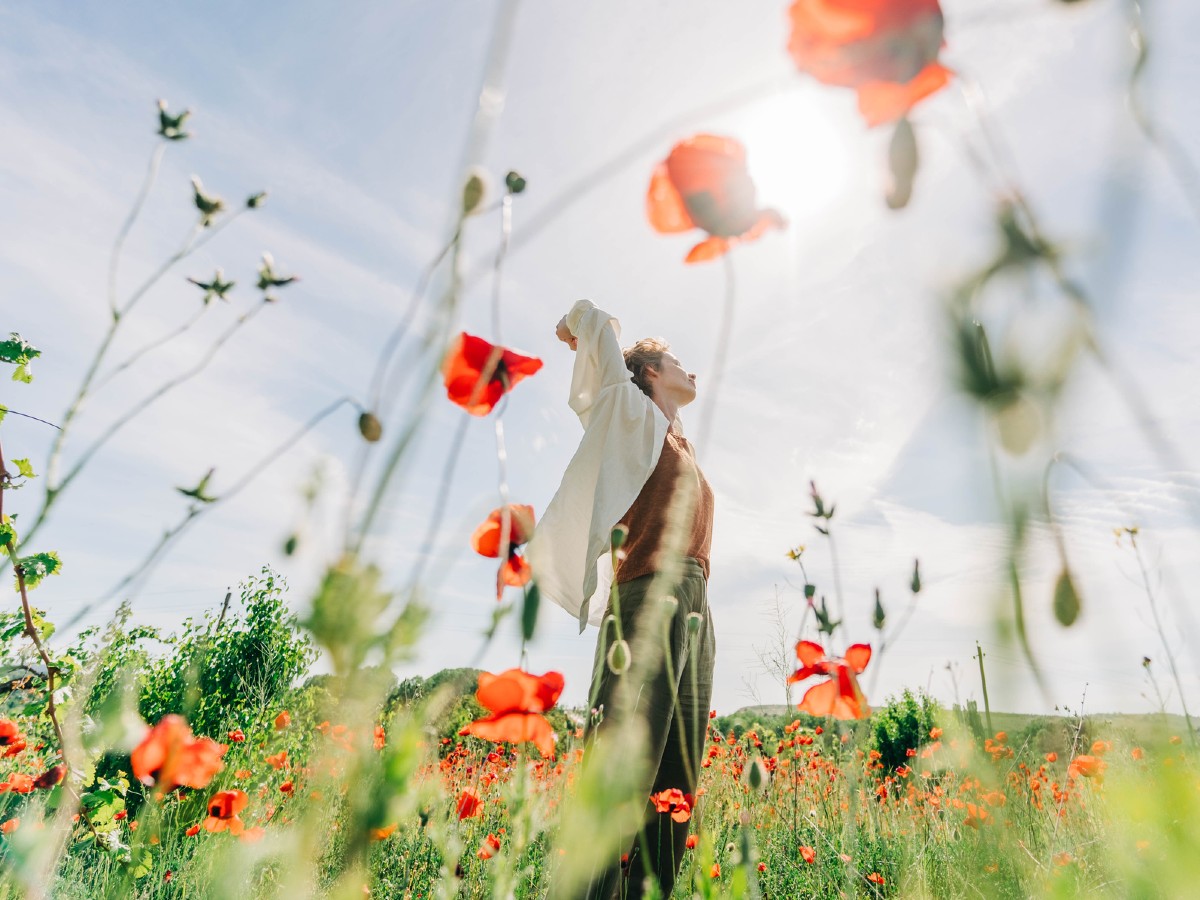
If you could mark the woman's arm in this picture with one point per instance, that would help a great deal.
(599, 362)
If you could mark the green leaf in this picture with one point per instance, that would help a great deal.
(24, 469)
(8, 534)
(19, 352)
(38, 566)
(3, 411)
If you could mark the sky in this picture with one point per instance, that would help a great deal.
(359, 124)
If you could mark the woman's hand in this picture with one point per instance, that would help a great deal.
(563, 334)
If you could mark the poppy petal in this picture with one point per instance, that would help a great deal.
(820, 699)
(664, 205)
(709, 248)
(857, 656)
(809, 653)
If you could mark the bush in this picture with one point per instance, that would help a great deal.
(227, 669)
(903, 725)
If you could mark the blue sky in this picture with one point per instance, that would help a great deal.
(356, 123)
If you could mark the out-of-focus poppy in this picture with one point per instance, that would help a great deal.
(277, 760)
(468, 804)
(691, 842)
(704, 183)
(516, 701)
(477, 374)
(886, 50)
(12, 740)
(876, 878)
(18, 783)
(10, 826)
(50, 777)
(237, 736)
(515, 570)
(675, 802)
(1087, 766)
(840, 696)
(283, 720)
(382, 834)
(170, 756)
(379, 741)
(223, 811)
(490, 845)
(193, 831)
(808, 854)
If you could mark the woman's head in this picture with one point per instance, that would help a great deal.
(654, 368)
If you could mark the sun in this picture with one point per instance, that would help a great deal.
(799, 158)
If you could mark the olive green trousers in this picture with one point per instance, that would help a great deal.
(672, 698)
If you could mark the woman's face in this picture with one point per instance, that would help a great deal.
(674, 381)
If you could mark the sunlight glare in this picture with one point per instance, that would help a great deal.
(798, 157)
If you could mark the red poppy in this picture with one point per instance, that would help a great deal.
(278, 760)
(382, 834)
(490, 845)
(840, 696)
(885, 49)
(468, 805)
(283, 720)
(237, 735)
(691, 842)
(704, 183)
(193, 831)
(516, 701)
(876, 878)
(223, 811)
(808, 854)
(486, 541)
(12, 740)
(171, 756)
(18, 783)
(10, 826)
(380, 738)
(675, 802)
(477, 374)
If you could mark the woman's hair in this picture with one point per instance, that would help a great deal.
(646, 353)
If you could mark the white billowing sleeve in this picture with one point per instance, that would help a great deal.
(622, 439)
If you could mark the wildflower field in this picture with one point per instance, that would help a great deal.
(407, 723)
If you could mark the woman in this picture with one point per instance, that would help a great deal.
(634, 467)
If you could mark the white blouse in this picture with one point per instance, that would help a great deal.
(623, 434)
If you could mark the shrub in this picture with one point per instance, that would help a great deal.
(226, 669)
(903, 725)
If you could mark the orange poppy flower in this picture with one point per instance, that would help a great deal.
(704, 183)
(10, 826)
(808, 854)
(1087, 766)
(18, 783)
(675, 802)
(876, 878)
(382, 834)
(691, 842)
(477, 374)
(840, 696)
(490, 845)
(886, 50)
(486, 542)
(516, 701)
(170, 756)
(278, 760)
(223, 811)
(283, 720)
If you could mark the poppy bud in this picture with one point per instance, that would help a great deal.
(810, 591)
(902, 164)
(474, 192)
(880, 615)
(290, 545)
(619, 534)
(618, 657)
(916, 579)
(254, 201)
(370, 427)
(694, 621)
(514, 182)
(1066, 600)
(756, 774)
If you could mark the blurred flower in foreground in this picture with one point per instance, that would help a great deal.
(477, 374)
(885, 49)
(516, 701)
(515, 570)
(704, 183)
(1087, 766)
(171, 757)
(840, 696)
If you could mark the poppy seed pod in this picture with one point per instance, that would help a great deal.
(475, 191)
(756, 774)
(618, 657)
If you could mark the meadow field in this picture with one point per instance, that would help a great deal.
(934, 262)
